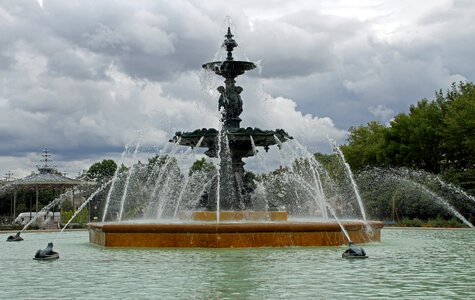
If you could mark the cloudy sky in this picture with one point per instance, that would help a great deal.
(86, 78)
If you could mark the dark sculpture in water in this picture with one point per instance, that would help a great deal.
(15, 238)
(354, 252)
(47, 253)
(236, 185)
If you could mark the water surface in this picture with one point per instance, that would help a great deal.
(407, 264)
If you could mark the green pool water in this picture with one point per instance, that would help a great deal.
(407, 264)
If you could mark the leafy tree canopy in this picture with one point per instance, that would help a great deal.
(101, 171)
(434, 136)
(202, 165)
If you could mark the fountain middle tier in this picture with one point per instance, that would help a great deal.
(230, 147)
(239, 139)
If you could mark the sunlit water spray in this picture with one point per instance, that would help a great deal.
(306, 185)
(350, 176)
(420, 180)
(163, 170)
(127, 181)
(219, 165)
(114, 179)
(318, 194)
(46, 208)
(315, 174)
(439, 199)
(260, 188)
(187, 179)
(103, 186)
(455, 189)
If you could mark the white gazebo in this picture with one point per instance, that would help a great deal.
(48, 177)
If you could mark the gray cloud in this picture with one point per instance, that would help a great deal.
(86, 78)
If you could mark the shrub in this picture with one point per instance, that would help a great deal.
(406, 222)
(81, 218)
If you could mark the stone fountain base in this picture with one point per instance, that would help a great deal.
(229, 235)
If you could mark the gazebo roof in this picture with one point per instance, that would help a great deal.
(47, 179)
(47, 175)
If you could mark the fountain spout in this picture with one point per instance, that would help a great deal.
(15, 238)
(47, 253)
(354, 252)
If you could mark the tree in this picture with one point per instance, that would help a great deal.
(102, 171)
(435, 136)
(156, 162)
(459, 125)
(365, 145)
(414, 140)
(459, 134)
(202, 165)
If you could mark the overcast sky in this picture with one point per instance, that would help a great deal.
(86, 78)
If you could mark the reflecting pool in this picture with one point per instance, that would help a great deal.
(407, 264)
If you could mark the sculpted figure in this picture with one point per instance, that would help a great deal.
(231, 101)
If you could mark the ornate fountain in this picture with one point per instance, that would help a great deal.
(225, 216)
(232, 143)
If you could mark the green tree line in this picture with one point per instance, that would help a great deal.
(437, 136)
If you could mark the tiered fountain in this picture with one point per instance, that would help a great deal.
(225, 216)
(232, 143)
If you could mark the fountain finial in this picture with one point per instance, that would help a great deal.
(230, 44)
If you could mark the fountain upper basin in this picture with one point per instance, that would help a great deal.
(232, 68)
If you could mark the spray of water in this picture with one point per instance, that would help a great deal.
(350, 175)
(316, 176)
(319, 194)
(114, 179)
(219, 163)
(187, 180)
(163, 170)
(103, 186)
(456, 189)
(439, 199)
(46, 208)
(161, 199)
(329, 207)
(343, 229)
(420, 180)
(260, 188)
(126, 186)
(218, 185)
